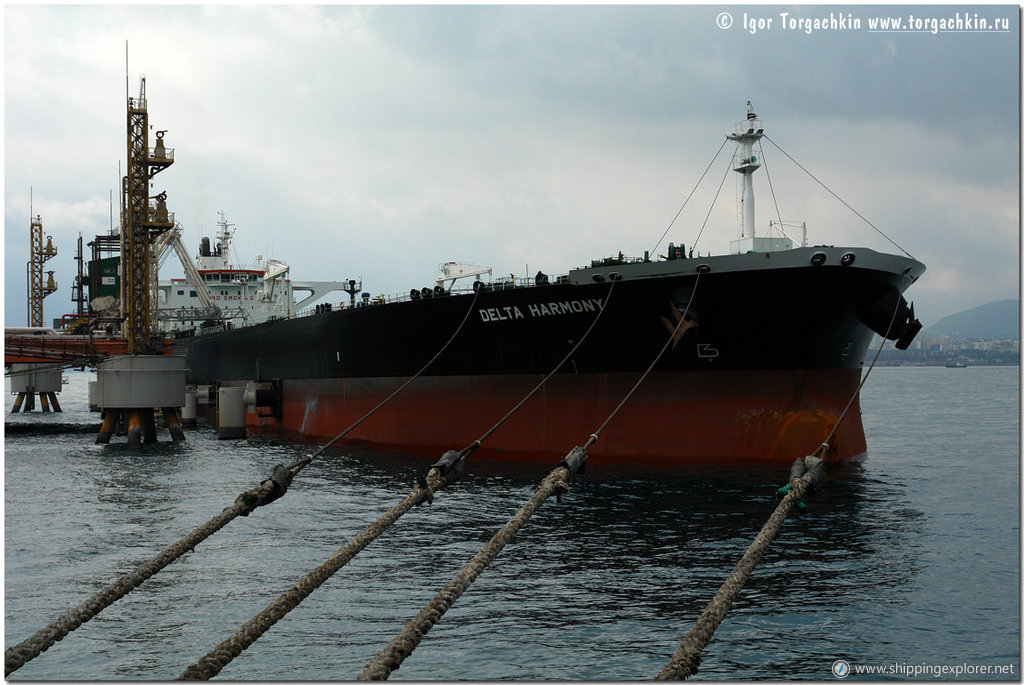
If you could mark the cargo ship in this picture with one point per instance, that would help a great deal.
(755, 354)
(216, 291)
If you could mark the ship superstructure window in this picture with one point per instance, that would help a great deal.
(181, 292)
(192, 293)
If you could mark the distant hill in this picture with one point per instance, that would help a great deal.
(995, 320)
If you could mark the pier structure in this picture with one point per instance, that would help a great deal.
(35, 357)
(27, 379)
(134, 385)
(129, 387)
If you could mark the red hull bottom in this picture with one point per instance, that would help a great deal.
(672, 419)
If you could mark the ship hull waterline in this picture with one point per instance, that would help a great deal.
(728, 417)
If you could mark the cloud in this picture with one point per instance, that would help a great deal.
(379, 141)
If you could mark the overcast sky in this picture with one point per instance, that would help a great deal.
(377, 142)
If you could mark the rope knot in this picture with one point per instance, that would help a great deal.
(435, 479)
(248, 500)
(559, 488)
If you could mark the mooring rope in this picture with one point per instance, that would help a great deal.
(269, 490)
(301, 464)
(392, 656)
(672, 336)
(469, 449)
(686, 660)
(221, 655)
(17, 656)
(826, 446)
(804, 474)
(447, 470)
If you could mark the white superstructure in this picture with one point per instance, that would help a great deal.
(241, 294)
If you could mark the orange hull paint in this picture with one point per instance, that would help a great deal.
(720, 416)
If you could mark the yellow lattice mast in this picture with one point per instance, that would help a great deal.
(38, 255)
(141, 221)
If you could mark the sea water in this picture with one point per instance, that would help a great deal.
(908, 562)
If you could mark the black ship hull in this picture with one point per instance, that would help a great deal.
(769, 355)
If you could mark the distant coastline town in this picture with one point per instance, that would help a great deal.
(942, 350)
(985, 335)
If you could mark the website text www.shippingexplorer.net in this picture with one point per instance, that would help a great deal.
(905, 669)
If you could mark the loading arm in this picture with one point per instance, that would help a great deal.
(172, 238)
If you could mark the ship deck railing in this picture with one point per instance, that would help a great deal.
(503, 283)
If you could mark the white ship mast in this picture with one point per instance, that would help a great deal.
(220, 256)
(746, 134)
(745, 162)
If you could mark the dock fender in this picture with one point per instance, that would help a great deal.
(264, 395)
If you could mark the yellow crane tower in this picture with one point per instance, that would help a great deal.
(141, 221)
(38, 255)
(26, 382)
(130, 386)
